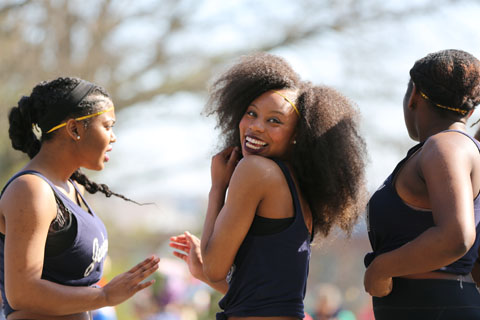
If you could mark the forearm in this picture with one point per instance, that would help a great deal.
(221, 286)
(49, 298)
(216, 200)
(428, 252)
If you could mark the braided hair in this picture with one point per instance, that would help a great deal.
(449, 78)
(31, 110)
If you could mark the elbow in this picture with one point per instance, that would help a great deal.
(214, 274)
(17, 300)
(460, 245)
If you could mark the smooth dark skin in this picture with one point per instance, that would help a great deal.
(256, 186)
(444, 177)
(26, 224)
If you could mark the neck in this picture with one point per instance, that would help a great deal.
(440, 126)
(55, 160)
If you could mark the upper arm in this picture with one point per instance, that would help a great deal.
(248, 187)
(446, 165)
(29, 207)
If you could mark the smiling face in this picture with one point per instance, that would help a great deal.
(97, 138)
(268, 126)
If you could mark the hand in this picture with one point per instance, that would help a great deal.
(125, 285)
(376, 284)
(191, 253)
(223, 165)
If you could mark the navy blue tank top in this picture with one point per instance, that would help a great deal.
(269, 274)
(79, 265)
(392, 223)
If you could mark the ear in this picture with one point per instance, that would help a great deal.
(293, 140)
(410, 103)
(72, 127)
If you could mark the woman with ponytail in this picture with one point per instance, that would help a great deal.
(52, 244)
(424, 220)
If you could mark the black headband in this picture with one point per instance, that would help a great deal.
(65, 105)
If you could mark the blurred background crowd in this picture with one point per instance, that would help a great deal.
(157, 57)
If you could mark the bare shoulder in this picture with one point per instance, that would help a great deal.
(259, 168)
(452, 151)
(449, 145)
(28, 194)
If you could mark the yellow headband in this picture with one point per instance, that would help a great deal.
(81, 118)
(289, 101)
(461, 111)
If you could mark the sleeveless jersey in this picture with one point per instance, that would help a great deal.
(392, 223)
(269, 274)
(79, 265)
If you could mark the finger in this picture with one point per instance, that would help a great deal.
(148, 265)
(192, 239)
(184, 242)
(145, 273)
(180, 247)
(224, 154)
(188, 236)
(234, 156)
(143, 285)
(227, 151)
(178, 238)
(139, 265)
(180, 255)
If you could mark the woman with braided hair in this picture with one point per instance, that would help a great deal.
(52, 244)
(423, 221)
(293, 163)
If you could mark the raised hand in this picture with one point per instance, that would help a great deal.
(189, 246)
(223, 165)
(125, 285)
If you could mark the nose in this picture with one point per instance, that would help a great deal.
(113, 137)
(256, 125)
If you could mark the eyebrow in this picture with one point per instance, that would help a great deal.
(273, 111)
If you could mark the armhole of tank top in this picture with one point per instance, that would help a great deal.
(58, 200)
(477, 144)
(400, 167)
(293, 191)
(81, 199)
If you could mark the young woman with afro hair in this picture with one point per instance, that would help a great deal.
(293, 163)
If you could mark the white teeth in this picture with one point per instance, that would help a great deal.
(252, 146)
(255, 141)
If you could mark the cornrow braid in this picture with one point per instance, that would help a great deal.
(32, 109)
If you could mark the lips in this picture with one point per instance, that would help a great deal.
(106, 155)
(254, 145)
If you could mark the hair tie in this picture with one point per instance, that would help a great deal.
(457, 110)
(289, 101)
(65, 106)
